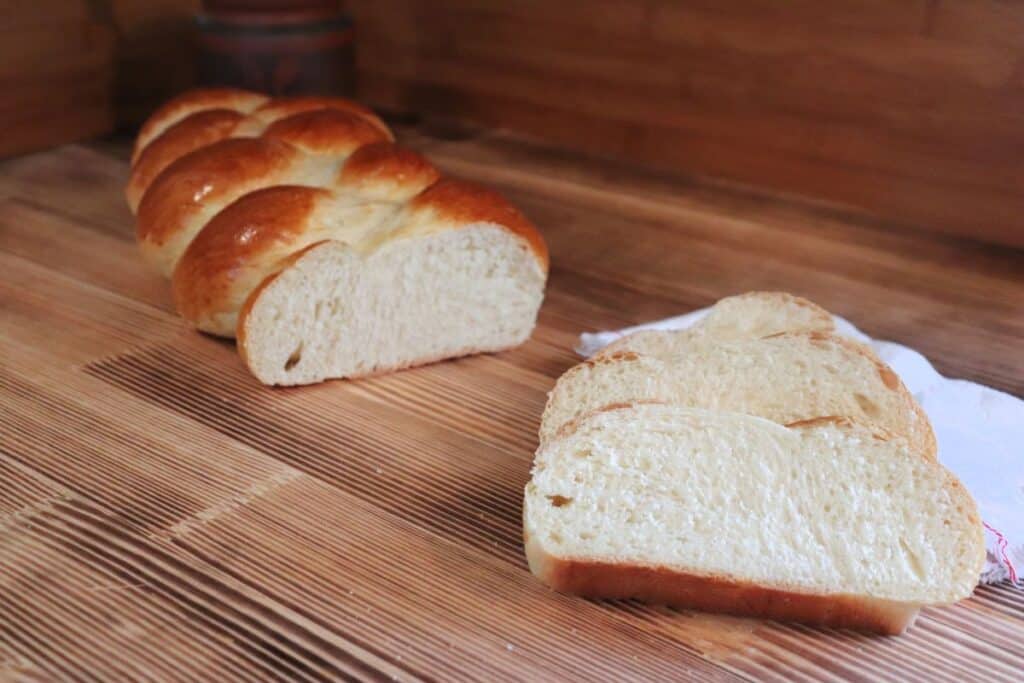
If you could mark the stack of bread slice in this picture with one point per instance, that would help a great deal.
(756, 463)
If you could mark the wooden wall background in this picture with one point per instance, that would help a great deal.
(911, 109)
(75, 69)
(155, 53)
(56, 73)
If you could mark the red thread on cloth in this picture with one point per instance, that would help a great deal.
(1001, 542)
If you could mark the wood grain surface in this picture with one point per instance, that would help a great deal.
(912, 110)
(164, 517)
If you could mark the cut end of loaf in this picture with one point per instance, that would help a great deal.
(825, 523)
(335, 312)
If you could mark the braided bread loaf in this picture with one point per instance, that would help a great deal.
(300, 227)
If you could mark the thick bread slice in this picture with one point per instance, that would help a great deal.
(785, 378)
(337, 312)
(826, 523)
(744, 316)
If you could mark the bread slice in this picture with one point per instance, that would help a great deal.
(744, 316)
(784, 378)
(825, 523)
(337, 311)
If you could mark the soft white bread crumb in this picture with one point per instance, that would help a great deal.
(784, 378)
(336, 312)
(734, 318)
(826, 523)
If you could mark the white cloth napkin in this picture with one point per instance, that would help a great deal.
(980, 433)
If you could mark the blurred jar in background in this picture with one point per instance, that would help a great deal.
(281, 47)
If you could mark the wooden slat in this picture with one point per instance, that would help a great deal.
(164, 516)
(118, 627)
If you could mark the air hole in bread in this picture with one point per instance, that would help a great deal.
(294, 358)
(559, 500)
(869, 407)
(583, 453)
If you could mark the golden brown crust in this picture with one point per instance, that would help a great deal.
(234, 245)
(282, 107)
(326, 131)
(460, 201)
(387, 165)
(190, 102)
(206, 175)
(257, 114)
(663, 585)
(194, 131)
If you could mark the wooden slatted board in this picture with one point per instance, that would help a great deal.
(163, 516)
